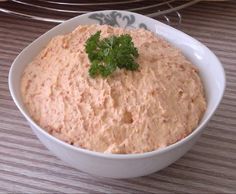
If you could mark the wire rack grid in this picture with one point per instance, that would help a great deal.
(58, 11)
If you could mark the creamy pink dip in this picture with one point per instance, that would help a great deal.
(128, 112)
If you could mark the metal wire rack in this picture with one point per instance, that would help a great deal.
(58, 11)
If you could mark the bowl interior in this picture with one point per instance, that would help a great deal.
(211, 70)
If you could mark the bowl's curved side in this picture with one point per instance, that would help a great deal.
(131, 165)
(114, 167)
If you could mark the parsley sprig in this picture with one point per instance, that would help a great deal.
(110, 53)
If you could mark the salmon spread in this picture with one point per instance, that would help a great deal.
(127, 112)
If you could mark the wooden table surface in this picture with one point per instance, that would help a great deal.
(26, 166)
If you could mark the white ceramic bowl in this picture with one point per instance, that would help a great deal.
(125, 165)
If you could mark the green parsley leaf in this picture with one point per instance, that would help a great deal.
(110, 53)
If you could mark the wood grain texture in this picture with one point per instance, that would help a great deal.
(26, 166)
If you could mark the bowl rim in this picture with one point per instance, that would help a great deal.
(189, 137)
